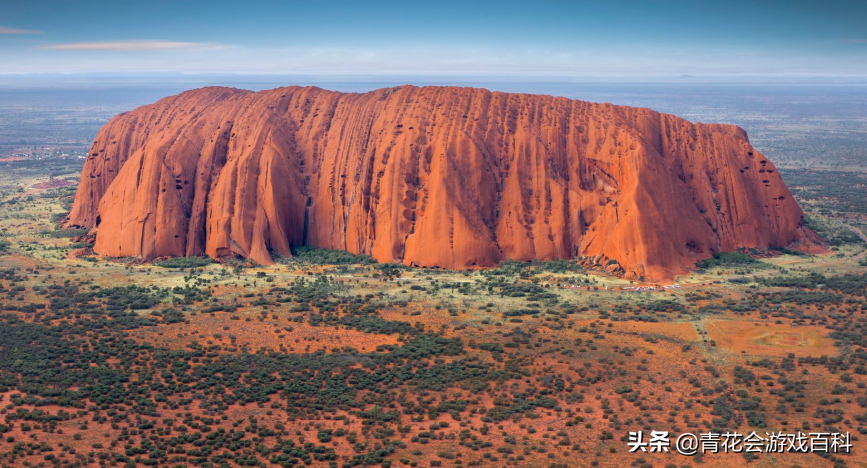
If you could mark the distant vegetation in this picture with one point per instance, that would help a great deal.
(183, 262)
(65, 233)
(829, 191)
(560, 266)
(517, 267)
(309, 254)
(837, 235)
(852, 284)
(728, 259)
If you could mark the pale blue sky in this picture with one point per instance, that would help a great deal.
(568, 39)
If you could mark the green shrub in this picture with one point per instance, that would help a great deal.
(728, 259)
(66, 233)
(183, 262)
(309, 254)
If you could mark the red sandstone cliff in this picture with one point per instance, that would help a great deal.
(433, 176)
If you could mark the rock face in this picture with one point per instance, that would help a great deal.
(432, 176)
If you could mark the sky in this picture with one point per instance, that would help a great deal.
(612, 39)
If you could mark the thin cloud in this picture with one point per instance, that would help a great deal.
(5, 30)
(855, 41)
(133, 45)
